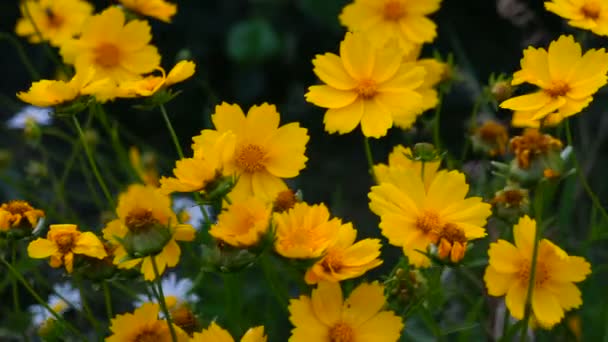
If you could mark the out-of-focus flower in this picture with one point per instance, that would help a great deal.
(143, 325)
(566, 78)
(55, 20)
(509, 272)
(62, 242)
(190, 212)
(176, 292)
(64, 295)
(159, 9)
(511, 202)
(369, 86)
(285, 200)
(585, 14)
(413, 217)
(151, 84)
(264, 153)
(19, 215)
(38, 115)
(533, 144)
(491, 138)
(144, 166)
(326, 317)
(215, 333)
(402, 157)
(243, 223)
(405, 21)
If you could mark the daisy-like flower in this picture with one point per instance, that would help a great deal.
(215, 333)
(366, 85)
(566, 78)
(176, 292)
(264, 153)
(19, 214)
(159, 9)
(60, 301)
(345, 259)
(402, 157)
(56, 20)
(326, 317)
(115, 49)
(243, 223)
(382, 20)
(146, 228)
(151, 84)
(305, 231)
(190, 212)
(39, 115)
(554, 292)
(62, 242)
(586, 14)
(143, 325)
(413, 217)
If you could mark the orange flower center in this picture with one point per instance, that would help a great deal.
(250, 158)
(54, 20)
(152, 333)
(591, 10)
(332, 262)
(140, 219)
(285, 200)
(393, 10)
(428, 222)
(367, 88)
(558, 88)
(541, 277)
(531, 145)
(453, 233)
(17, 207)
(495, 134)
(185, 319)
(341, 332)
(65, 242)
(107, 55)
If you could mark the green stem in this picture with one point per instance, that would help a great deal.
(87, 308)
(581, 175)
(161, 299)
(180, 153)
(233, 300)
(107, 299)
(93, 165)
(370, 159)
(280, 294)
(112, 132)
(22, 55)
(436, 120)
(14, 281)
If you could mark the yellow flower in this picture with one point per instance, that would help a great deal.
(345, 259)
(19, 214)
(56, 20)
(146, 222)
(114, 49)
(326, 317)
(413, 217)
(62, 242)
(143, 325)
(402, 20)
(366, 85)
(305, 231)
(215, 333)
(567, 82)
(243, 223)
(151, 84)
(144, 167)
(491, 137)
(400, 158)
(264, 153)
(586, 14)
(159, 9)
(554, 292)
(532, 145)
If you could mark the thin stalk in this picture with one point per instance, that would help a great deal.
(112, 132)
(22, 55)
(14, 281)
(279, 293)
(107, 299)
(180, 153)
(436, 120)
(370, 159)
(161, 299)
(87, 309)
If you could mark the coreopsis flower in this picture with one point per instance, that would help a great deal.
(491, 138)
(554, 292)
(55, 20)
(370, 86)
(305, 231)
(532, 145)
(151, 84)
(19, 215)
(402, 157)
(264, 153)
(566, 78)
(215, 333)
(115, 49)
(405, 21)
(585, 14)
(326, 317)
(413, 217)
(38, 115)
(243, 223)
(145, 166)
(143, 325)
(62, 242)
(345, 258)
(159, 9)
(146, 228)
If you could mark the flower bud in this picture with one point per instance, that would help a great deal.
(511, 203)
(146, 235)
(501, 90)
(425, 152)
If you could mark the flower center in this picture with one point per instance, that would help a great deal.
(149, 334)
(591, 10)
(542, 273)
(428, 222)
(185, 319)
(285, 200)
(367, 88)
(558, 88)
(341, 332)
(18, 207)
(393, 10)
(332, 262)
(54, 20)
(65, 242)
(532, 144)
(140, 219)
(453, 233)
(250, 158)
(107, 55)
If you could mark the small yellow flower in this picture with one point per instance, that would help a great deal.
(143, 325)
(401, 157)
(264, 153)
(145, 166)
(62, 242)
(345, 259)
(56, 20)
(159, 9)
(215, 333)
(243, 223)
(146, 223)
(491, 137)
(115, 49)
(586, 14)
(19, 214)
(554, 292)
(370, 86)
(326, 317)
(402, 20)
(413, 217)
(305, 231)
(566, 78)
(151, 84)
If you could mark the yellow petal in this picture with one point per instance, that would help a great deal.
(418, 29)
(383, 327)
(254, 335)
(330, 69)
(363, 303)
(523, 234)
(89, 244)
(534, 68)
(343, 120)
(184, 232)
(564, 55)
(307, 326)
(376, 119)
(228, 117)
(327, 302)
(328, 97)
(530, 102)
(546, 307)
(498, 283)
(41, 248)
(515, 299)
(504, 257)
(357, 56)
(180, 72)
